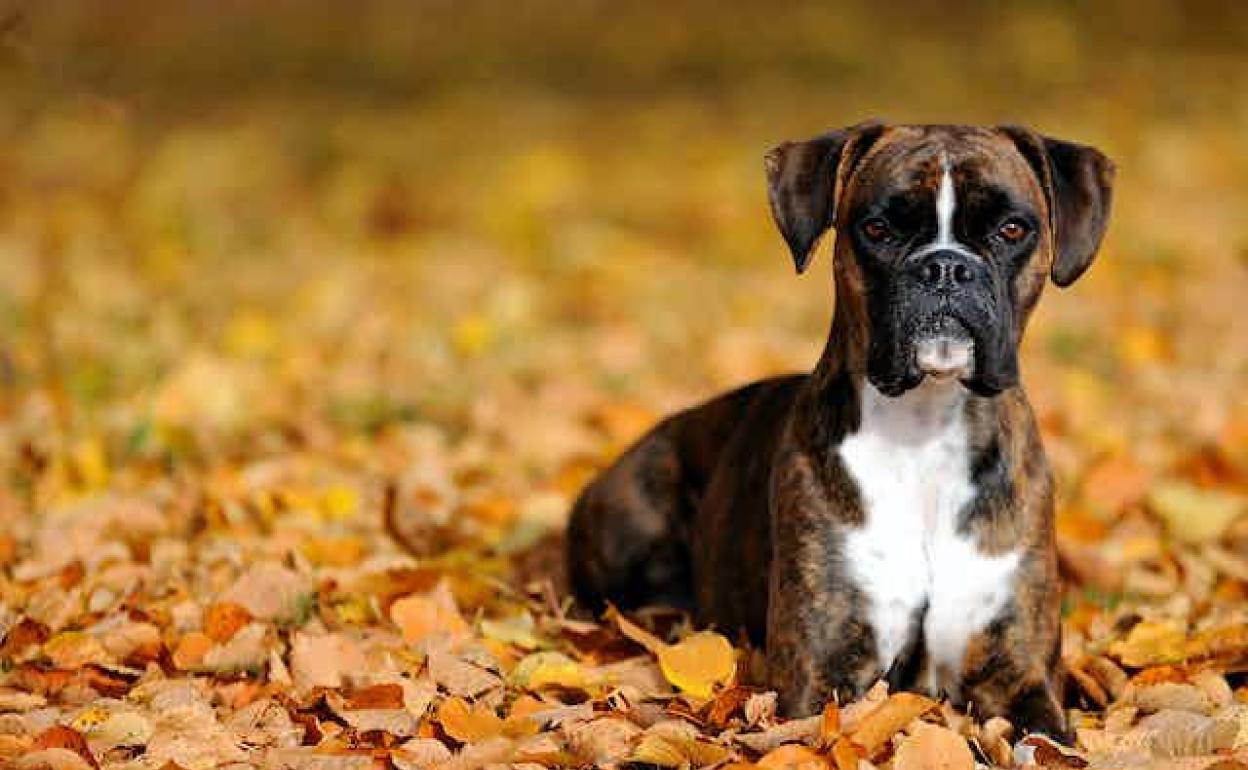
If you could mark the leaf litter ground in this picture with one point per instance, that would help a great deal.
(293, 411)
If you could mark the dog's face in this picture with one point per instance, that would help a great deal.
(946, 235)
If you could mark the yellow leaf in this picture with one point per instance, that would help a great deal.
(1151, 643)
(1142, 345)
(345, 551)
(695, 664)
(1193, 514)
(250, 334)
(340, 502)
(698, 663)
(355, 610)
(90, 718)
(658, 750)
(472, 335)
(468, 723)
(518, 630)
(546, 669)
(73, 649)
(90, 461)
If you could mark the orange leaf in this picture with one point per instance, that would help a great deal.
(223, 619)
(420, 617)
(191, 650)
(830, 727)
(62, 737)
(846, 753)
(377, 696)
(933, 748)
(793, 756)
(896, 712)
(466, 723)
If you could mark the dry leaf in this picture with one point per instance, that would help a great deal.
(699, 663)
(877, 727)
(1195, 514)
(931, 747)
(421, 617)
(1151, 643)
(793, 757)
(223, 619)
(468, 723)
(324, 660)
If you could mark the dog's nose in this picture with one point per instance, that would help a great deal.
(946, 270)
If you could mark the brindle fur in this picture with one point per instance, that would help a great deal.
(739, 508)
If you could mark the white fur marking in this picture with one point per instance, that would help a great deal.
(909, 460)
(946, 204)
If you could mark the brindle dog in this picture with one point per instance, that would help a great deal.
(889, 514)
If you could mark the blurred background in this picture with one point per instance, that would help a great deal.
(263, 261)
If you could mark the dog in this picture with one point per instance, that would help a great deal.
(890, 514)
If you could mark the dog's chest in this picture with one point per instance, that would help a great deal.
(910, 461)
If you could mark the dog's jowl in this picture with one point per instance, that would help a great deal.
(889, 514)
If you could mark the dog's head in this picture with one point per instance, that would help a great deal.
(946, 235)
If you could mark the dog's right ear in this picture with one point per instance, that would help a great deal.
(804, 180)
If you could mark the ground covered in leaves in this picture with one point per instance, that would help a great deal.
(307, 341)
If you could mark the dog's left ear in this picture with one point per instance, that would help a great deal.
(804, 180)
(1078, 182)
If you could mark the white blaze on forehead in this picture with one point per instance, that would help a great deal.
(946, 203)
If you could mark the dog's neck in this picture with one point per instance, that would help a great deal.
(841, 390)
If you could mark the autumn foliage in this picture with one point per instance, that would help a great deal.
(313, 323)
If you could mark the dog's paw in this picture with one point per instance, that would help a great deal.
(1038, 712)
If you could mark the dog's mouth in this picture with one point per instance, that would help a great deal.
(944, 349)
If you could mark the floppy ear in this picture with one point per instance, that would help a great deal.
(804, 180)
(1078, 182)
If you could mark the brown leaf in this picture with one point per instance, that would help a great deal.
(25, 634)
(377, 696)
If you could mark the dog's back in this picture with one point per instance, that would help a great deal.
(632, 535)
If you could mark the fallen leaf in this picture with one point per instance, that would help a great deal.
(324, 660)
(1194, 514)
(546, 669)
(931, 747)
(421, 617)
(1150, 643)
(223, 619)
(62, 737)
(793, 757)
(191, 650)
(876, 728)
(468, 723)
(699, 663)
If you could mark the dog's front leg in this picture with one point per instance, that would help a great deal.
(818, 643)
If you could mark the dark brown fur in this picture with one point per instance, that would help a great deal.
(738, 508)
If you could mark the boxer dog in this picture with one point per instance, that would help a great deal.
(889, 514)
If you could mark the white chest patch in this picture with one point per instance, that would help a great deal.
(910, 461)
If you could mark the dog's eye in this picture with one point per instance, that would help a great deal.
(876, 230)
(1013, 231)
